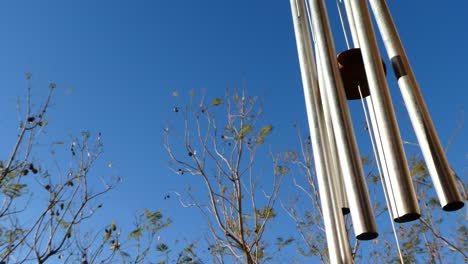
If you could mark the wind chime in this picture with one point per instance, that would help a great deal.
(360, 73)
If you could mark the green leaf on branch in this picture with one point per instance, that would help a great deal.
(216, 101)
(265, 213)
(161, 247)
(107, 236)
(153, 217)
(281, 170)
(113, 226)
(135, 234)
(418, 168)
(244, 130)
(266, 129)
(14, 190)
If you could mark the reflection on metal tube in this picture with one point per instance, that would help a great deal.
(339, 251)
(406, 204)
(358, 197)
(436, 162)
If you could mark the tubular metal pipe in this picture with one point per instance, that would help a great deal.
(352, 26)
(381, 158)
(358, 196)
(334, 158)
(339, 251)
(434, 155)
(373, 122)
(336, 183)
(374, 134)
(406, 204)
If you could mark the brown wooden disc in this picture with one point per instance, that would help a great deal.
(353, 73)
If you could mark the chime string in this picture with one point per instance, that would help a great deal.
(342, 23)
(369, 126)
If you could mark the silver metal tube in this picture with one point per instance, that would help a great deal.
(357, 193)
(434, 155)
(381, 158)
(335, 168)
(373, 122)
(333, 158)
(336, 172)
(339, 252)
(406, 204)
(376, 141)
(336, 183)
(351, 24)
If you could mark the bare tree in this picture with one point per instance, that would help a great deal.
(219, 145)
(14, 169)
(308, 219)
(68, 199)
(48, 210)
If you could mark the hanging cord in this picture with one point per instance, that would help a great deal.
(342, 24)
(369, 126)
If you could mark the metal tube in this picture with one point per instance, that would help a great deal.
(373, 122)
(351, 24)
(336, 184)
(406, 204)
(381, 159)
(358, 196)
(434, 155)
(334, 158)
(339, 251)
(376, 140)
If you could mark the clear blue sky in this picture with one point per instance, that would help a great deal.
(116, 64)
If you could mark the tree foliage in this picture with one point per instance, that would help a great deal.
(221, 141)
(47, 213)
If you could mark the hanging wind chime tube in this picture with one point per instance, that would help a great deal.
(439, 169)
(338, 246)
(335, 169)
(371, 122)
(335, 162)
(350, 161)
(362, 86)
(406, 203)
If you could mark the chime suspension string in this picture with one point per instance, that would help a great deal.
(366, 115)
(342, 23)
